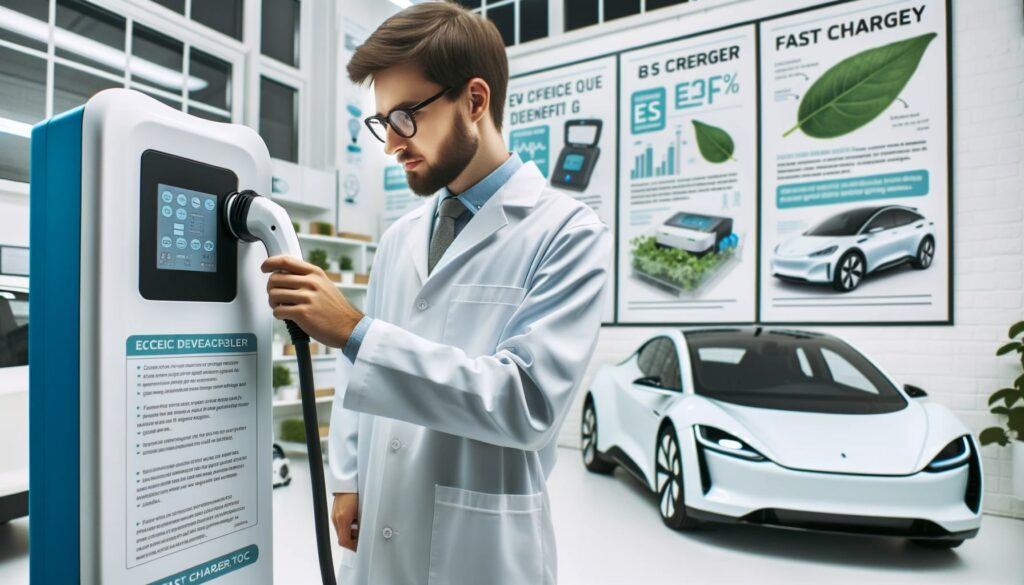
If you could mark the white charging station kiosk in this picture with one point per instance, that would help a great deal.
(150, 391)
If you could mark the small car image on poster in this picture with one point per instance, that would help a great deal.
(688, 180)
(855, 164)
(563, 119)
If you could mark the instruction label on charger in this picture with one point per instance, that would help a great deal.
(191, 440)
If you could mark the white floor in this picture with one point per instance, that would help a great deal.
(609, 533)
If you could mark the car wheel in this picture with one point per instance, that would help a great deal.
(936, 544)
(594, 460)
(849, 272)
(668, 482)
(925, 253)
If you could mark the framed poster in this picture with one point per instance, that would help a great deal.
(563, 119)
(688, 180)
(856, 186)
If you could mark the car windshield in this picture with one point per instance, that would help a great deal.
(13, 328)
(843, 224)
(789, 371)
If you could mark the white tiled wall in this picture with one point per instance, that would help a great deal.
(955, 364)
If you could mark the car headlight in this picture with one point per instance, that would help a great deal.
(722, 442)
(826, 252)
(955, 454)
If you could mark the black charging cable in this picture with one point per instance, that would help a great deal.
(300, 339)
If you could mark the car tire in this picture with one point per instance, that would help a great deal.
(668, 481)
(925, 253)
(849, 272)
(594, 460)
(936, 544)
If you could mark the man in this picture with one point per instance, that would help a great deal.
(466, 362)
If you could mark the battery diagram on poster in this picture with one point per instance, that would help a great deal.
(563, 120)
(855, 199)
(688, 180)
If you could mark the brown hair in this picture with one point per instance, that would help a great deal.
(449, 42)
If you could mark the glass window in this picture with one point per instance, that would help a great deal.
(13, 328)
(619, 8)
(883, 220)
(209, 80)
(14, 160)
(158, 59)
(279, 119)
(844, 373)
(22, 86)
(580, 13)
(843, 224)
(533, 20)
(279, 36)
(176, 104)
(904, 217)
(659, 358)
(25, 22)
(72, 88)
(221, 15)
(91, 35)
(655, 4)
(785, 371)
(207, 115)
(504, 17)
(175, 5)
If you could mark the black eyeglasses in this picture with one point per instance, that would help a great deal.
(401, 120)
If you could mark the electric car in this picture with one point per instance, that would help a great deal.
(782, 428)
(282, 474)
(848, 246)
(13, 397)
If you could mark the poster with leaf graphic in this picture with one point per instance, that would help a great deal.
(563, 119)
(687, 248)
(855, 164)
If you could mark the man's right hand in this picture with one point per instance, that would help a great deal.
(345, 516)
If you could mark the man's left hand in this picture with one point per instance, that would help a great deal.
(301, 292)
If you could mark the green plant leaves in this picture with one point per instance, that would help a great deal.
(859, 88)
(1012, 346)
(1011, 395)
(993, 435)
(1016, 329)
(674, 265)
(715, 144)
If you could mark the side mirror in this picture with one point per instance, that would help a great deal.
(652, 381)
(914, 391)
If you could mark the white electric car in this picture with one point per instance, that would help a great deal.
(782, 428)
(848, 246)
(13, 397)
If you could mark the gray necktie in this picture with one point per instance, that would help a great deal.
(451, 209)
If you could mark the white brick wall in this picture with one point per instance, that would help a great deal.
(956, 365)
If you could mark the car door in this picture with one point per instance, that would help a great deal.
(879, 240)
(910, 232)
(650, 395)
(13, 400)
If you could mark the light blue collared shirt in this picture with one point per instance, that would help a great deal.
(473, 198)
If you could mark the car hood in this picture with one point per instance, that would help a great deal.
(806, 245)
(877, 444)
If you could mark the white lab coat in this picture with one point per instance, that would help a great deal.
(448, 444)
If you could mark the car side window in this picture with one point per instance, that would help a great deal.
(670, 377)
(904, 217)
(13, 329)
(647, 359)
(659, 358)
(883, 220)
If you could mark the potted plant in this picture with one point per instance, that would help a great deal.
(318, 257)
(1009, 403)
(293, 430)
(345, 265)
(282, 377)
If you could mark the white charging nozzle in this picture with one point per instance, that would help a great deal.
(252, 218)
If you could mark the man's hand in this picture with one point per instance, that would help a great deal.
(344, 514)
(301, 292)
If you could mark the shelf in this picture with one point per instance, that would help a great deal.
(298, 402)
(315, 358)
(336, 241)
(347, 286)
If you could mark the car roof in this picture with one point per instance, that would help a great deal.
(737, 333)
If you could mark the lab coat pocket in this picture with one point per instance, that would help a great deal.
(486, 538)
(478, 314)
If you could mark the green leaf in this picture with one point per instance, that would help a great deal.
(1004, 393)
(1000, 410)
(993, 435)
(859, 88)
(1016, 329)
(1012, 346)
(1015, 422)
(715, 144)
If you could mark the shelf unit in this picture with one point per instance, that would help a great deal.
(298, 402)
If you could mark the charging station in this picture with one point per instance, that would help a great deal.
(150, 390)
